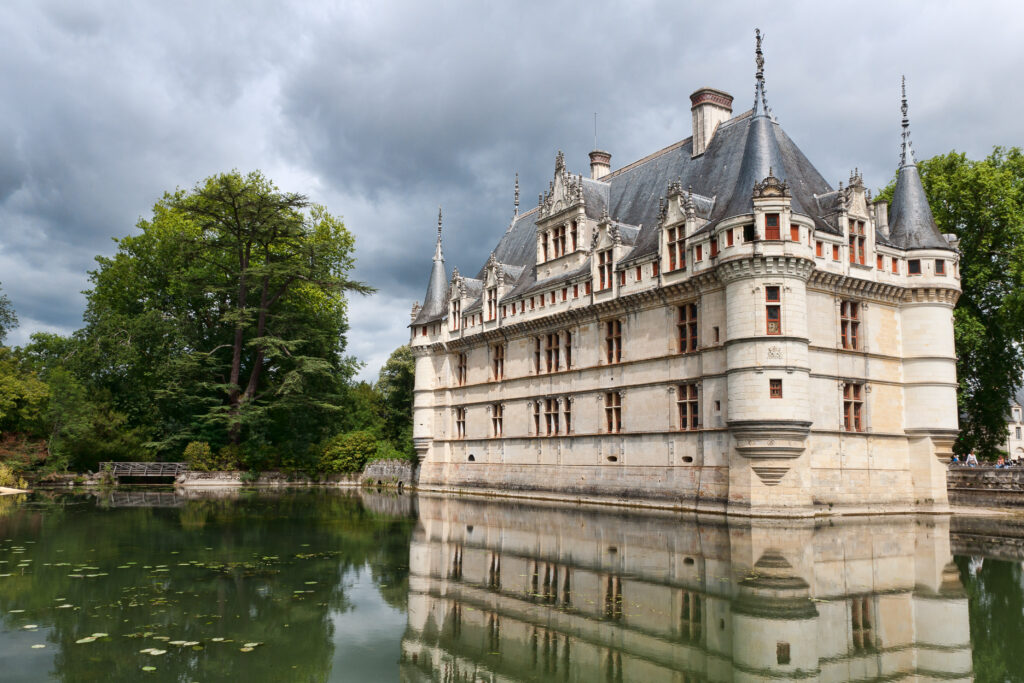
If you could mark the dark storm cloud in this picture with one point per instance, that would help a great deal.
(382, 111)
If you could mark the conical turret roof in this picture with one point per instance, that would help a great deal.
(911, 224)
(435, 301)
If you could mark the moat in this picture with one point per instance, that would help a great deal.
(318, 585)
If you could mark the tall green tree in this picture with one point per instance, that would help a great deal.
(982, 203)
(225, 319)
(395, 387)
(8, 318)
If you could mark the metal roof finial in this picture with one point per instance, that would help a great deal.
(906, 149)
(760, 92)
(517, 194)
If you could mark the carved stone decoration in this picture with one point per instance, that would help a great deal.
(770, 476)
(771, 187)
(774, 353)
(761, 439)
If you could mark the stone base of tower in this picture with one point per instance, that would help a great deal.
(782, 469)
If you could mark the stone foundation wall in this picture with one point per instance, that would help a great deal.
(234, 478)
(389, 473)
(986, 486)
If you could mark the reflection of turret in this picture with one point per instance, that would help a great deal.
(774, 623)
(504, 592)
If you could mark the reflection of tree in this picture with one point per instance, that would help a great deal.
(997, 618)
(270, 568)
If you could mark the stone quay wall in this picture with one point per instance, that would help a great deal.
(986, 486)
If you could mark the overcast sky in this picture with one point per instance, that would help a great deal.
(385, 110)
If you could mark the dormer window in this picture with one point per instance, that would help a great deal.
(559, 241)
(604, 269)
(676, 249)
(857, 242)
(771, 226)
(492, 303)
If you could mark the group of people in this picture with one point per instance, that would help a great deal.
(972, 461)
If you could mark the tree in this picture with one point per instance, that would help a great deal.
(225, 319)
(982, 203)
(395, 387)
(8, 318)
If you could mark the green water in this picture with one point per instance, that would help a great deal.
(366, 586)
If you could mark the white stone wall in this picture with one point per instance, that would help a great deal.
(738, 459)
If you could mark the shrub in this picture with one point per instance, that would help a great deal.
(387, 451)
(7, 476)
(199, 456)
(348, 452)
(228, 458)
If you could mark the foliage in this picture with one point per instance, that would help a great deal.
(8, 318)
(225, 319)
(395, 387)
(982, 203)
(348, 452)
(198, 455)
(8, 477)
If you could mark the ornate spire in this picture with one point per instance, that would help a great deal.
(516, 212)
(438, 256)
(906, 149)
(760, 93)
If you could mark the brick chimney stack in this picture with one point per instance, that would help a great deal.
(600, 164)
(710, 107)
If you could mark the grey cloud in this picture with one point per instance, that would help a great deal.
(384, 111)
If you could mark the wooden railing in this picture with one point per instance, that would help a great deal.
(144, 469)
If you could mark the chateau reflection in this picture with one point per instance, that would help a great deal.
(501, 592)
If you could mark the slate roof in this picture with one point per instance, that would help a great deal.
(911, 225)
(435, 302)
(742, 152)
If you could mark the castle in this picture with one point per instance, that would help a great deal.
(712, 327)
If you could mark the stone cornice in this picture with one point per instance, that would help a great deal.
(761, 265)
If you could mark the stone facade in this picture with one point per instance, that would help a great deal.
(511, 593)
(754, 341)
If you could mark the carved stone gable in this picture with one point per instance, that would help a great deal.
(771, 187)
(564, 191)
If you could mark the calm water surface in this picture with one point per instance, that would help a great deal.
(335, 586)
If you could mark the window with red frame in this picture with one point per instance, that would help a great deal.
(613, 412)
(604, 269)
(771, 226)
(688, 406)
(853, 406)
(773, 309)
(613, 341)
(686, 328)
(676, 249)
(849, 324)
(794, 233)
(775, 388)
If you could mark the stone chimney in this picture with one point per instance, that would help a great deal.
(882, 217)
(600, 164)
(710, 107)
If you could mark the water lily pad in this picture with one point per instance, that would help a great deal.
(253, 644)
(149, 668)
(87, 639)
(100, 635)
(38, 646)
(217, 639)
(245, 649)
(30, 626)
(17, 611)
